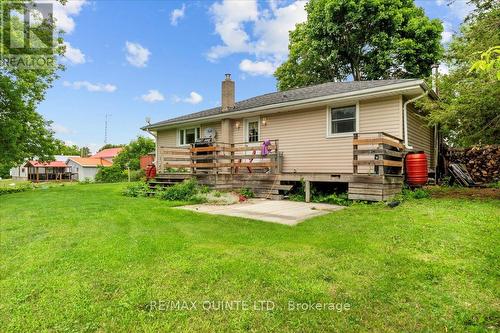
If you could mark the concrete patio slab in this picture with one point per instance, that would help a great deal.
(276, 211)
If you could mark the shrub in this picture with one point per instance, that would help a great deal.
(112, 174)
(179, 192)
(136, 175)
(247, 192)
(495, 185)
(216, 198)
(87, 180)
(418, 193)
(137, 190)
(334, 199)
(19, 187)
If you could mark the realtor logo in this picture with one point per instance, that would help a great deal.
(27, 34)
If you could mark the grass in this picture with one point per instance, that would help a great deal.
(85, 258)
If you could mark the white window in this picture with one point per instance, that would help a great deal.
(342, 120)
(189, 135)
(252, 130)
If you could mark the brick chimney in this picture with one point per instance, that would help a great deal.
(227, 93)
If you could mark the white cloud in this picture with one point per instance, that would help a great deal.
(137, 55)
(92, 87)
(60, 129)
(243, 28)
(73, 55)
(230, 17)
(447, 33)
(460, 8)
(63, 14)
(177, 14)
(153, 96)
(272, 32)
(194, 98)
(255, 68)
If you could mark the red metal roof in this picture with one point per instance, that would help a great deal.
(53, 164)
(108, 153)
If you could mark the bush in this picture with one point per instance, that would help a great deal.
(135, 175)
(112, 174)
(86, 181)
(19, 187)
(137, 190)
(495, 185)
(418, 193)
(216, 198)
(179, 192)
(247, 192)
(334, 199)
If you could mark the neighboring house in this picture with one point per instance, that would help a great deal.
(23, 171)
(85, 168)
(315, 127)
(108, 154)
(47, 171)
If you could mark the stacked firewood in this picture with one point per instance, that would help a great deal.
(482, 162)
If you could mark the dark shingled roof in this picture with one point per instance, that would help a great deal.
(320, 90)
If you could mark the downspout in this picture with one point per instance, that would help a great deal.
(405, 117)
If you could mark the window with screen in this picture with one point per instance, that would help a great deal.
(343, 119)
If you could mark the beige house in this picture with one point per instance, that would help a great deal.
(315, 130)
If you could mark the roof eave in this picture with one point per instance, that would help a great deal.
(364, 92)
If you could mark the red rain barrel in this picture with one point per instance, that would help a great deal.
(150, 171)
(416, 169)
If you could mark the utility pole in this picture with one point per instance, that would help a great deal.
(106, 128)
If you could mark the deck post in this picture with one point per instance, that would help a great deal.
(308, 191)
(355, 155)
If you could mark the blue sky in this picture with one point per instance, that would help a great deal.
(161, 59)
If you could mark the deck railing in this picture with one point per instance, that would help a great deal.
(377, 153)
(243, 157)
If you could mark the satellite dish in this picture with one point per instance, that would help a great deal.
(210, 132)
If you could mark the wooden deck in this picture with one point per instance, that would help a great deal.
(377, 168)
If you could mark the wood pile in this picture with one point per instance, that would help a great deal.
(482, 162)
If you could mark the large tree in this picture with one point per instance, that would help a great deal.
(24, 133)
(469, 109)
(362, 39)
(131, 153)
(61, 148)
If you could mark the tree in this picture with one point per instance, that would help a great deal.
(24, 133)
(61, 148)
(131, 153)
(85, 151)
(489, 62)
(468, 111)
(364, 39)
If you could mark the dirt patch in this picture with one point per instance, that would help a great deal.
(464, 193)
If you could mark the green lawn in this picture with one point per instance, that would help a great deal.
(85, 258)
